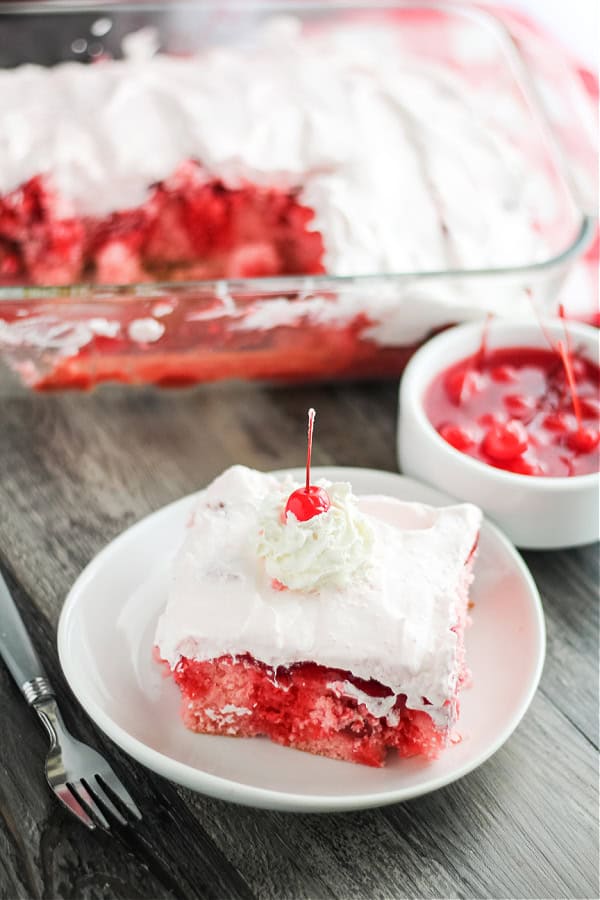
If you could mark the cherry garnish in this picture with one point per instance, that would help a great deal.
(584, 440)
(305, 503)
(506, 442)
(310, 500)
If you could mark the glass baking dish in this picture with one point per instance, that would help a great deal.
(286, 327)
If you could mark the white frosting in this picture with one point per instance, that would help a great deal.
(384, 147)
(333, 548)
(393, 624)
(145, 331)
(104, 327)
(380, 707)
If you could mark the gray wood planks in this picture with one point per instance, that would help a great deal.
(75, 470)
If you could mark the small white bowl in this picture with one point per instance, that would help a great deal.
(535, 512)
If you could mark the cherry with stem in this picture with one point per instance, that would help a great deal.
(310, 500)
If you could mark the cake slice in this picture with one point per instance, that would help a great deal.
(342, 635)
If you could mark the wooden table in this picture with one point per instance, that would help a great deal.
(76, 470)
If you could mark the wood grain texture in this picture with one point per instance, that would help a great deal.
(75, 470)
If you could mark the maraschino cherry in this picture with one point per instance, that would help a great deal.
(505, 442)
(310, 500)
(584, 439)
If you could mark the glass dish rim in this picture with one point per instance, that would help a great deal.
(93, 291)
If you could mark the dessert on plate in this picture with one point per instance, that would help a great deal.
(298, 151)
(326, 622)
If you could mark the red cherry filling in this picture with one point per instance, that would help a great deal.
(584, 440)
(503, 374)
(306, 503)
(590, 408)
(460, 438)
(526, 467)
(505, 442)
(488, 419)
(578, 367)
(531, 411)
(557, 421)
(518, 406)
(462, 384)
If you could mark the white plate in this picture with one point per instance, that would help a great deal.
(105, 639)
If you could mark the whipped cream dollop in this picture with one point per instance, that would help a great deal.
(332, 548)
(386, 148)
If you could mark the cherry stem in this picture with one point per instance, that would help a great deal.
(563, 318)
(485, 333)
(478, 358)
(566, 361)
(536, 313)
(565, 353)
(311, 423)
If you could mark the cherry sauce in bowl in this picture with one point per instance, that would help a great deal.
(516, 408)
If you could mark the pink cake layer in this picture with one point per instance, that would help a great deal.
(298, 707)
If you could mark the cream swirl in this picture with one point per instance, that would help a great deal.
(331, 549)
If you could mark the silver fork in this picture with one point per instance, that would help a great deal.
(81, 778)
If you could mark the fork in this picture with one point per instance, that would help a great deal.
(81, 779)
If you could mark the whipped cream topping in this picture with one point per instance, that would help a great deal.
(332, 548)
(381, 145)
(393, 623)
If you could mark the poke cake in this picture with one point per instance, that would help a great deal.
(326, 622)
(300, 150)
